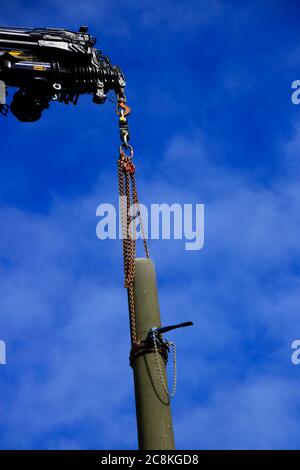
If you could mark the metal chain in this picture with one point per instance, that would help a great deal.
(161, 375)
(128, 196)
(138, 209)
(128, 245)
(123, 211)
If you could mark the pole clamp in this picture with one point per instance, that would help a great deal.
(147, 346)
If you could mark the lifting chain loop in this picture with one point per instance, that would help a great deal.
(161, 375)
(128, 197)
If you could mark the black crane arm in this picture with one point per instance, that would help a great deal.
(53, 65)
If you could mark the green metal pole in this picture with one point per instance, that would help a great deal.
(154, 420)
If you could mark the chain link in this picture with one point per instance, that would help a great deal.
(161, 375)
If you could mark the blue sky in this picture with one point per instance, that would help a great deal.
(213, 122)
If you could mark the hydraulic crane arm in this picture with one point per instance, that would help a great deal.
(54, 65)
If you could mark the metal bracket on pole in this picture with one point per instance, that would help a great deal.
(165, 329)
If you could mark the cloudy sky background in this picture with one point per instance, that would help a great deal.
(213, 122)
